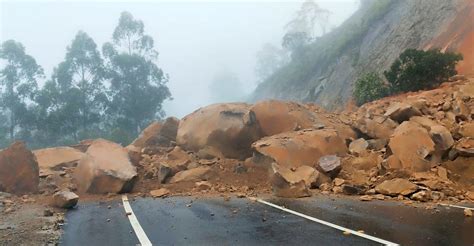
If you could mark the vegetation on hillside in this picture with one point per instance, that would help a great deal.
(318, 52)
(417, 69)
(413, 70)
(368, 88)
(113, 94)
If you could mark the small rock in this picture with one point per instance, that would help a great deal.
(442, 173)
(377, 144)
(421, 196)
(338, 181)
(196, 174)
(437, 196)
(325, 187)
(160, 192)
(358, 146)
(446, 106)
(337, 189)
(352, 190)
(65, 199)
(370, 192)
(468, 212)
(203, 185)
(48, 213)
(240, 168)
(330, 164)
(396, 187)
(164, 173)
(470, 195)
(240, 195)
(379, 197)
(365, 198)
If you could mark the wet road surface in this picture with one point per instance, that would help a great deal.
(213, 221)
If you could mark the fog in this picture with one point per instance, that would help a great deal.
(195, 39)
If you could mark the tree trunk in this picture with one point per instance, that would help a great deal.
(12, 126)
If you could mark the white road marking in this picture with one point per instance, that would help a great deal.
(456, 206)
(378, 240)
(144, 241)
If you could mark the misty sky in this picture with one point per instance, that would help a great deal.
(195, 39)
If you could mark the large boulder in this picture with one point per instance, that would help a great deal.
(301, 148)
(106, 168)
(275, 117)
(440, 135)
(401, 112)
(54, 158)
(292, 184)
(158, 133)
(376, 126)
(147, 135)
(230, 128)
(168, 132)
(19, 172)
(412, 145)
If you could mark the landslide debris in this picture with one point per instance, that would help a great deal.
(105, 168)
(411, 147)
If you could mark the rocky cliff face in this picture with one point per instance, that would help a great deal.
(370, 41)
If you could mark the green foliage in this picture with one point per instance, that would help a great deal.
(413, 70)
(417, 69)
(138, 86)
(87, 96)
(368, 88)
(18, 84)
(80, 98)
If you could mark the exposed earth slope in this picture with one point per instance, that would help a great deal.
(371, 40)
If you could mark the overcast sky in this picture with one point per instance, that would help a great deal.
(195, 39)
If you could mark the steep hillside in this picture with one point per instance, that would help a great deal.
(369, 41)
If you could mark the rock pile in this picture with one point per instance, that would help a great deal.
(417, 146)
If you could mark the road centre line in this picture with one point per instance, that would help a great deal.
(141, 235)
(375, 239)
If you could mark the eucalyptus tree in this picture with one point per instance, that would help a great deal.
(137, 85)
(19, 75)
(81, 92)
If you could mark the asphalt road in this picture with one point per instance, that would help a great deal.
(213, 221)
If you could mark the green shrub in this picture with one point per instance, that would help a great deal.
(417, 69)
(368, 88)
